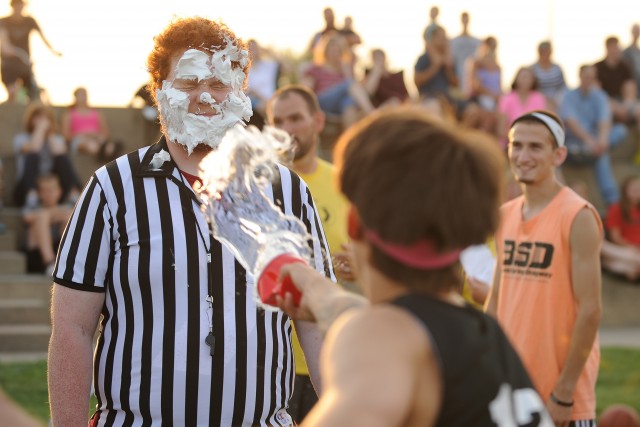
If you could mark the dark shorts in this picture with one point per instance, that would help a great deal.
(13, 69)
(303, 399)
(34, 261)
(583, 423)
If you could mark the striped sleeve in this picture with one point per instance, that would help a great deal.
(86, 245)
(301, 205)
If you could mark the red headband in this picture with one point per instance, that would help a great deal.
(421, 254)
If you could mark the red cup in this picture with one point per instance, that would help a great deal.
(269, 286)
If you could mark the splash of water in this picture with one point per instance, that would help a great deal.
(235, 177)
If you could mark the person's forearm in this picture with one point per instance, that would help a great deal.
(36, 142)
(423, 77)
(578, 130)
(451, 75)
(616, 237)
(372, 81)
(311, 341)
(491, 304)
(580, 346)
(603, 131)
(69, 375)
(327, 310)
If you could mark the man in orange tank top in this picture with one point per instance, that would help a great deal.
(546, 291)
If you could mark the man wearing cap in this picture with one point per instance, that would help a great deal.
(546, 291)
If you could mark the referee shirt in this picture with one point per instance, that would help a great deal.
(134, 236)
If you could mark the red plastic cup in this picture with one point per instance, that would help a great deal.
(268, 285)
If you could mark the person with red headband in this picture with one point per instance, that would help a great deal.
(411, 352)
(546, 291)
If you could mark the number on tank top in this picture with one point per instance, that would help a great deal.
(517, 408)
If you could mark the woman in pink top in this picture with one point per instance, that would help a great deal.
(523, 98)
(85, 128)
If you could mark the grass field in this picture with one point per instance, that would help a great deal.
(618, 382)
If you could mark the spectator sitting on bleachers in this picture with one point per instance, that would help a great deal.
(621, 250)
(612, 71)
(331, 78)
(86, 130)
(485, 78)
(630, 104)
(463, 47)
(347, 31)
(353, 39)
(590, 132)
(149, 109)
(523, 98)
(550, 76)
(434, 75)
(631, 54)
(435, 78)
(384, 86)
(329, 27)
(45, 223)
(262, 81)
(434, 11)
(41, 150)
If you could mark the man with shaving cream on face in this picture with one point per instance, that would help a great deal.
(182, 340)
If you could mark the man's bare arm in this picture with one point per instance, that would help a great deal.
(74, 317)
(491, 304)
(370, 365)
(586, 282)
(310, 339)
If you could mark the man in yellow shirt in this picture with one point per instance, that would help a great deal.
(295, 109)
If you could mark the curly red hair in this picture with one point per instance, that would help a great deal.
(183, 34)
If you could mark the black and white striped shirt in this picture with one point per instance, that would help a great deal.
(134, 236)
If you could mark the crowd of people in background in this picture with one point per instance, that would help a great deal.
(458, 78)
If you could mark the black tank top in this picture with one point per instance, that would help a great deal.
(484, 381)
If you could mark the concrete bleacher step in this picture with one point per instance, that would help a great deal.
(11, 217)
(8, 241)
(25, 286)
(25, 325)
(24, 311)
(24, 338)
(620, 302)
(14, 226)
(13, 262)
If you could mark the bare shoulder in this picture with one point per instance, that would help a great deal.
(585, 229)
(378, 364)
(373, 325)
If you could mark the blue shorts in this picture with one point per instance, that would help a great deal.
(336, 99)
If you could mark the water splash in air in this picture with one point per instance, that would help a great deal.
(236, 179)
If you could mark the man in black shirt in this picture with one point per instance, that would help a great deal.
(413, 353)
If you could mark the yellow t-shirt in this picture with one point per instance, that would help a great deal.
(332, 208)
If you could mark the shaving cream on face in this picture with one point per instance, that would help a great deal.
(191, 130)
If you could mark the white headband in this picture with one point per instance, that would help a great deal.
(552, 125)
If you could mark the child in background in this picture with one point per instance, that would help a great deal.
(45, 224)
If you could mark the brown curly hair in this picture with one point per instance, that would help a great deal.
(35, 109)
(183, 34)
(411, 178)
